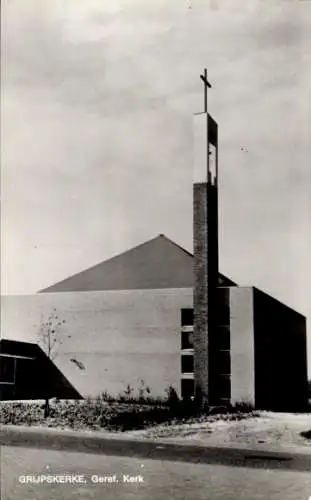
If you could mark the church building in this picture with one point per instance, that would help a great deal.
(157, 316)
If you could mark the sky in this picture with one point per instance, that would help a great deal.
(97, 107)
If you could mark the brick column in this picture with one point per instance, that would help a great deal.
(200, 292)
(205, 248)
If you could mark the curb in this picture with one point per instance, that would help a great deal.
(94, 443)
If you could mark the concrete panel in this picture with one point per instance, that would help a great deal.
(119, 337)
(242, 345)
(200, 132)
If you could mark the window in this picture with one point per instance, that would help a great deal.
(222, 362)
(222, 338)
(212, 162)
(187, 340)
(7, 370)
(187, 364)
(223, 386)
(186, 317)
(223, 307)
(223, 313)
(187, 388)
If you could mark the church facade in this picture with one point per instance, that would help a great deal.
(129, 322)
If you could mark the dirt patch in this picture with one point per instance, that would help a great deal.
(272, 429)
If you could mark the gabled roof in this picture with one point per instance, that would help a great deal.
(157, 263)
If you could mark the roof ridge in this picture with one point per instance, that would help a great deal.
(175, 244)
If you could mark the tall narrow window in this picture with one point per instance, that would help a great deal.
(223, 384)
(222, 338)
(187, 364)
(187, 388)
(187, 340)
(223, 307)
(212, 163)
(222, 362)
(186, 317)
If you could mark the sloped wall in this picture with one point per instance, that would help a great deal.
(32, 374)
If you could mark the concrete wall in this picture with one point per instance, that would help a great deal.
(280, 355)
(242, 345)
(120, 337)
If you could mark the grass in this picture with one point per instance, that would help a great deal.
(130, 410)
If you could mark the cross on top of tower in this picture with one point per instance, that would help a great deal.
(206, 85)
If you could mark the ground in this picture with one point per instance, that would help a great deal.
(166, 478)
(267, 430)
(252, 430)
(277, 430)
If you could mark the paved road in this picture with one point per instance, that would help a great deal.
(96, 443)
(161, 478)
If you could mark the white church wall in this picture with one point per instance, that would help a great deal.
(242, 345)
(118, 337)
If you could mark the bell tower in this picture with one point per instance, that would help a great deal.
(205, 247)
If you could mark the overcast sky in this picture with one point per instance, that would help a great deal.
(97, 105)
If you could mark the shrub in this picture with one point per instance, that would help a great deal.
(129, 396)
(97, 413)
(139, 418)
(172, 397)
(242, 407)
(306, 434)
(105, 396)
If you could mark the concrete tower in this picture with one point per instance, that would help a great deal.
(205, 239)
